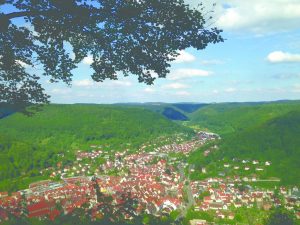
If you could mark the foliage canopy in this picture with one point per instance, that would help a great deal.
(132, 37)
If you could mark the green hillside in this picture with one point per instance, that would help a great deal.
(189, 107)
(30, 143)
(226, 118)
(173, 114)
(266, 132)
(169, 111)
(176, 111)
(276, 140)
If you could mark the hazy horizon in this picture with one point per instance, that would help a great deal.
(158, 102)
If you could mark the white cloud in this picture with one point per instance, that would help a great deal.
(25, 65)
(296, 88)
(72, 56)
(149, 90)
(216, 91)
(260, 17)
(256, 16)
(182, 93)
(184, 57)
(85, 94)
(88, 60)
(211, 62)
(120, 83)
(83, 83)
(230, 90)
(153, 74)
(281, 57)
(180, 74)
(175, 86)
(286, 76)
(87, 83)
(60, 91)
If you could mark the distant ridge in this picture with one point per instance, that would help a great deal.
(264, 131)
(4, 112)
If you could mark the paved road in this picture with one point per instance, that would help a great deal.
(270, 180)
(189, 192)
(187, 189)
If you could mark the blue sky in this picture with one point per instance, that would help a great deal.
(259, 61)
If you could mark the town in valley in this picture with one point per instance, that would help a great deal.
(156, 180)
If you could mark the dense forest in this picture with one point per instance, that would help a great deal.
(262, 131)
(225, 118)
(28, 144)
(276, 140)
(172, 111)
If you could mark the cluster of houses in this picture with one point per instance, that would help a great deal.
(207, 136)
(210, 150)
(251, 170)
(77, 169)
(85, 163)
(187, 147)
(223, 194)
(247, 165)
(155, 184)
(156, 187)
(80, 155)
(150, 178)
(48, 199)
(184, 148)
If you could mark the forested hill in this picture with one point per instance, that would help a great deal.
(276, 140)
(87, 123)
(5, 112)
(226, 118)
(30, 143)
(267, 131)
(172, 111)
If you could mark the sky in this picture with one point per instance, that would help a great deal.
(259, 61)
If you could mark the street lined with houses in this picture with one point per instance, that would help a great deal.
(153, 182)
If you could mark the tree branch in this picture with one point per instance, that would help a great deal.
(26, 14)
(50, 12)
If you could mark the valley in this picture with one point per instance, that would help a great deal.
(101, 166)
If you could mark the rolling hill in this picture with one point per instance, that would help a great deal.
(172, 111)
(276, 140)
(28, 144)
(263, 131)
(225, 118)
